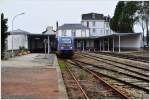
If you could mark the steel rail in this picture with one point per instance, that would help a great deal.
(119, 62)
(72, 74)
(97, 66)
(118, 66)
(122, 81)
(87, 55)
(122, 95)
(131, 57)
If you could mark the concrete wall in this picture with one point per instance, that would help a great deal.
(18, 40)
(130, 41)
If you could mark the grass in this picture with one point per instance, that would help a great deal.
(61, 64)
(82, 76)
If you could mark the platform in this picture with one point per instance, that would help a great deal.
(32, 76)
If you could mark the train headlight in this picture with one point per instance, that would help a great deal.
(61, 47)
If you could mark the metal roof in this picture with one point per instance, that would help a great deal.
(95, 16)
(72, 26)
(18, 31)
(119, 34)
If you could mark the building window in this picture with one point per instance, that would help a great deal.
(83, 33)
(107, 25)
(87, 24)
(82, 22)
(107, 32)
(73, 32)
(93, 30)
(101, 31)
(93, 23)
(64, 33)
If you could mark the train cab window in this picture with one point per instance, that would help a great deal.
(66, 40)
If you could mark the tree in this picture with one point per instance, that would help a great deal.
(114, 22)
(123, 19)
(143, 17)
(3, 35)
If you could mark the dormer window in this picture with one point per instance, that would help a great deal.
(93, 16)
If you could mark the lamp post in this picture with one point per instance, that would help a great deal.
(12, 28)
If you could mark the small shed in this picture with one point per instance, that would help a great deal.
(16, 39)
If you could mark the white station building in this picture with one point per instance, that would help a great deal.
(17, 38)
(94, 33)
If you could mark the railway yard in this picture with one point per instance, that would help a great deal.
(103, 75)
(87, 75)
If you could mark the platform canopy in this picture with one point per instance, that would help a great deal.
(119, 34)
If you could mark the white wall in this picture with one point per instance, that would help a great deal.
(50, 30)
(18, 40)
(129, 41)
(100, 27)
(79, 33)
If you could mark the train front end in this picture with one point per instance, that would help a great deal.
(65, 47)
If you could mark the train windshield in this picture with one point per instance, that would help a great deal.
(66, 40)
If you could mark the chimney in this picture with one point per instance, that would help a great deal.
(56, 25)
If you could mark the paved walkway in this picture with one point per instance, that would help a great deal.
(33, 76)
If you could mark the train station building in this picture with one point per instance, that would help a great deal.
(92, 34)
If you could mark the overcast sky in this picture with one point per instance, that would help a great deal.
(42, 13)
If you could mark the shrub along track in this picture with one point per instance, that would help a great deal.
(91, 86)
(129, 79)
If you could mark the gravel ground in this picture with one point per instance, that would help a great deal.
(134, 93)
(93, 88)
(126, 61)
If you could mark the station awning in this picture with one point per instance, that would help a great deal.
(119, 34)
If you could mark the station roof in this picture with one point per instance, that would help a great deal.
(119, 34)
(18, 31)
(111, 35)
(72, 26)
(95, 16)
(91, 37)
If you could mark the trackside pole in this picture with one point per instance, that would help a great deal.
(108, 43)
(113, 44)
(119, 43)
(100, 45)
(48, 46)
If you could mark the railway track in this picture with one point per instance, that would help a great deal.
(125, 56)
(105, 91)
(113, 62)
(137, 76)
(128, 86)
(77, 82)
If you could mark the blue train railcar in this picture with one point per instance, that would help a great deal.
(65, 46)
